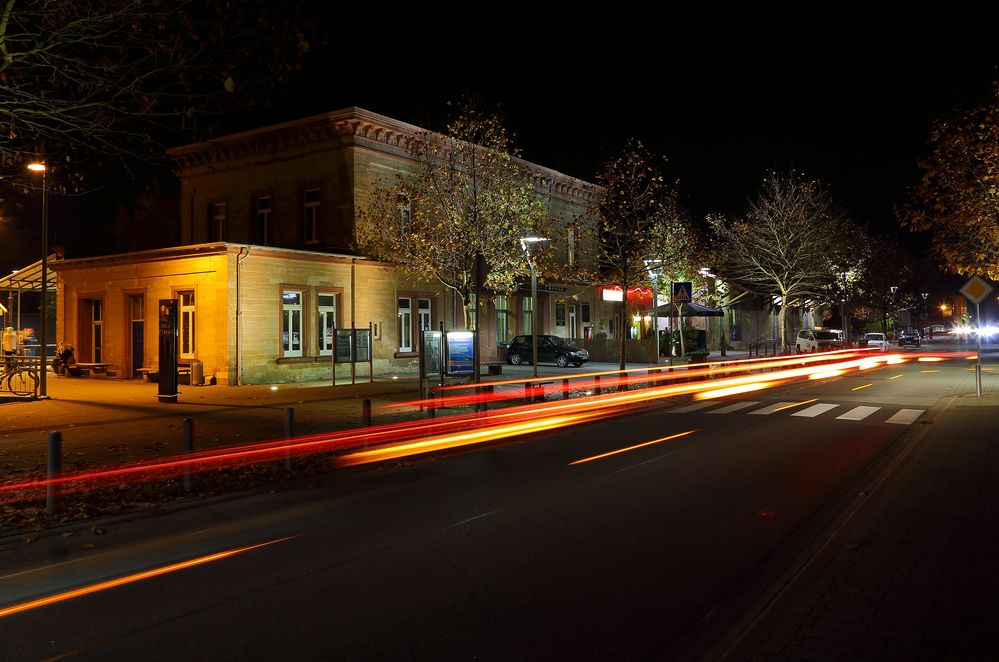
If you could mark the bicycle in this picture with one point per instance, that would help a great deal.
(19, 376)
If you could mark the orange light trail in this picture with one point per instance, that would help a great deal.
(857, 388)
(631, 448)
(795, 404)
(826, 374)
(130, 579)
(929, 359)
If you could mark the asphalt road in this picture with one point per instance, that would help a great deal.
(509, 552)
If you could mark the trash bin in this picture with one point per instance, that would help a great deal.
(197, 373)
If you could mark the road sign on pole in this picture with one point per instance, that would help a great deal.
(682, 292)
(976, 289)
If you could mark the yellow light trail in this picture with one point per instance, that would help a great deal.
(929, 371)
(826, 374)
(895, 377)
(929, 359)
(731, 390)
(857, 388)
(130, 579)
(794, 404)
(631, 448)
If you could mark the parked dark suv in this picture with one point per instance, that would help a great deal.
(908, 337)
(551, 349)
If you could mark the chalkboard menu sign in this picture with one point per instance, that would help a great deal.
(344, 346)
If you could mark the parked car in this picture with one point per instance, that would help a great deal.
(876, 340)
(551, 349)
(908, 337)
(813, 340)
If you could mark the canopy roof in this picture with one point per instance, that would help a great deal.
(29, 278)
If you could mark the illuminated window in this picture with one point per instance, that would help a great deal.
(502, 319)
(405, 325)
(97, 329)
(312, 216)
(327, 323)
(291, 324)
(263, 219)
(187, 314)
(424, 311)
(405, 213)
(526, 306)
(216, 221)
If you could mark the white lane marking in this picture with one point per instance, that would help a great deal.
(734, 407)
(858, 413)
(766, 411)
(905, 416)
(693, 407)
(814, 410)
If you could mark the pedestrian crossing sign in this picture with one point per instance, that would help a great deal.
(682, 293)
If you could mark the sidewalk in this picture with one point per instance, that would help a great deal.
(909, 571)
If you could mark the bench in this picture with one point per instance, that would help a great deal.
(495, 368)
(92, 369)
(153, 374)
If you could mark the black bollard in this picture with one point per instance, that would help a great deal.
(596, 385)
(431, 410)
(565, 388)
(366, 413)
(54, 470)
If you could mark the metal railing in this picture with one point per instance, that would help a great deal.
(19, 376)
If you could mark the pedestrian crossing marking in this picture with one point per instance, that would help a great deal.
(858, 413)
(900, 417)
(693, 407)
(905, 416)
(766, 411)
(734, 407)
(814, 410)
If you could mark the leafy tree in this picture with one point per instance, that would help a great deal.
(789, 243)
(467, 200)
(640, 220)
(885, 265)
(957, 198)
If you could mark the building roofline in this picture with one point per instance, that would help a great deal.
(192, 250)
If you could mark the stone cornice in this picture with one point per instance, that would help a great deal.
(350, 123)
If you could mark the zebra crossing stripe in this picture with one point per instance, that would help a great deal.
(693, 407)
(766, 411)
(814, 410)
(733, 407)
(858, 413)
(905, 416)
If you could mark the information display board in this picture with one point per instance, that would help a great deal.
(460, 352)
(362, 345)
(344, 349)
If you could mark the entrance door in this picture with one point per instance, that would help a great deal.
(135, 302)
(572, 322)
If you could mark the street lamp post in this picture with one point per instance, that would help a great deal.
(923, 316)
(43, 330)
(654, 275)
(534, 299)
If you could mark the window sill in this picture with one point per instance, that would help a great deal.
(295, 359)
(406, 355)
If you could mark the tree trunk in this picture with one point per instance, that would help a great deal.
(624, 338)
(780, 324)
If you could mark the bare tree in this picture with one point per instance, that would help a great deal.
(640, 220)
(88, 81)
(467, 199)
(787, 244)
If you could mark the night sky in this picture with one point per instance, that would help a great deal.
(850, 101)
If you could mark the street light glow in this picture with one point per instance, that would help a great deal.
(36, 167)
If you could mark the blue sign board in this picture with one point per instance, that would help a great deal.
(682, 292)
(459, 352)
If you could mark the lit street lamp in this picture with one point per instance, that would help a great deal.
(654, 275)
(43, 331)
(524, 241)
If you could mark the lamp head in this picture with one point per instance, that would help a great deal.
(37, 167)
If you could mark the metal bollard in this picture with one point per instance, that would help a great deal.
(366, 413)
(289, 433)
(565, 388)
(54, 469)
(528, 392)
(431, 409)
(485, 401)
(188, 450)
(596, 385)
